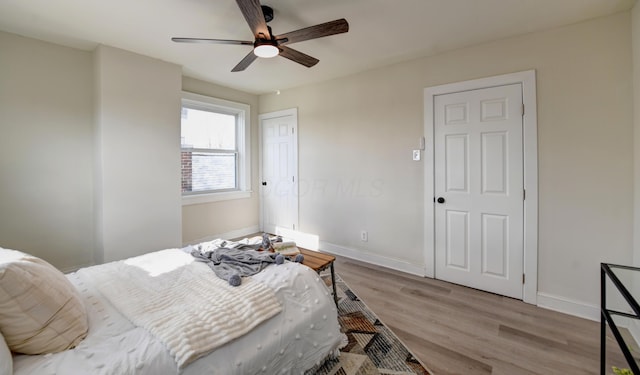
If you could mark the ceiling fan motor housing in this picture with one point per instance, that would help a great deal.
(263, 42)
(268, 13)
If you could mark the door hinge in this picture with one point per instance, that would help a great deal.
(293, 130)
(522, 109)
(293, 178)
(523, 278)
(524, 194)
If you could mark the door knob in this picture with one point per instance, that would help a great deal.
(440, 200)
(264, 183)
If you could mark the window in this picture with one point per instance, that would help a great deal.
(214, 149)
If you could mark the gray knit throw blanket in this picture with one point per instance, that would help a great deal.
(232, 264)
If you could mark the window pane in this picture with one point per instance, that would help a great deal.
(203, 171)
(204, 129)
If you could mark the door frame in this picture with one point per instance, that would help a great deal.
(271, 115)
(530, 169)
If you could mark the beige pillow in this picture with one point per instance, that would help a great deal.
(6, 360)
(40, 310)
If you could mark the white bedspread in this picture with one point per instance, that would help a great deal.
(182, 302)
(303, 334)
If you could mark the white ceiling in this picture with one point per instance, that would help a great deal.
(381, 32)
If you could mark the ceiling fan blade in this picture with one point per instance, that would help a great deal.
(318, 31)
(217, 41)
(252, 12)
(297, 56)
(244, 63)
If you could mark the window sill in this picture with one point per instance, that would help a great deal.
(214, 197)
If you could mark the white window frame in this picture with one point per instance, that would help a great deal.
(243, 141)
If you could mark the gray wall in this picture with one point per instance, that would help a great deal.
(137, 134)
(46, 150)
(359, 131)
(355, 137)
(228, 218)
(89, 155)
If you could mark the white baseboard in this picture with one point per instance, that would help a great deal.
(634, 329)
(378, 260)
(75, 268)
(228, 235)
(232, 234)
(545, 300)
(306, 240)
(567, 306)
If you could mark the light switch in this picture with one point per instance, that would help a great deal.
(416, 155)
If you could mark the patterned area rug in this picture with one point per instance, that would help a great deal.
(372, 348)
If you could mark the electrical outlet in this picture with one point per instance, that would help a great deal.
(364, 236)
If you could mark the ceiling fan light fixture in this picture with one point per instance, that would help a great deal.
(266, 49)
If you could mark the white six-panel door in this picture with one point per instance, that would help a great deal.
(279, 172)
(478, 189)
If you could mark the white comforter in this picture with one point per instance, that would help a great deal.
(303, 334)
(182, 302)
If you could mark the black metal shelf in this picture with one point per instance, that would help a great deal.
(607, 315)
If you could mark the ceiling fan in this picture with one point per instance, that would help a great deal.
(266, 44)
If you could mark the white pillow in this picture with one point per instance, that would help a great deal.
(40, 310)
(6, 362)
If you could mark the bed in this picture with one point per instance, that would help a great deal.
(294, 327)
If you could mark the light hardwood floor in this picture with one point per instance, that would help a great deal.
(458, 330)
